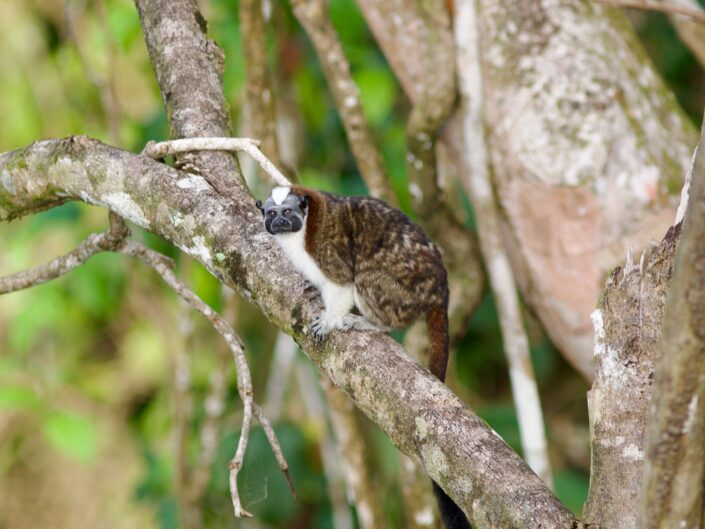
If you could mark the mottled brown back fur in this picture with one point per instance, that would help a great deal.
(397, 271)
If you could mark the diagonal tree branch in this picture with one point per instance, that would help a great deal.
(475, 467)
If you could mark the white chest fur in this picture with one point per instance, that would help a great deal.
(294, 246)
(338, 300)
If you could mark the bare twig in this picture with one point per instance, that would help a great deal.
(276, 447)
(244, 379)
(114, 240)
(663, 7)
(93, 244)
(479, 187)
(247, 145)
(314, 17)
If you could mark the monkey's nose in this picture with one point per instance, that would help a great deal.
(280, 222)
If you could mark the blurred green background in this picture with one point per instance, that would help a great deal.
(87, 362)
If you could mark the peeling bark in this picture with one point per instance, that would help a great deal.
(627, 328)
(674, 486)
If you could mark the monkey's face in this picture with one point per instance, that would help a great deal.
(283, 216)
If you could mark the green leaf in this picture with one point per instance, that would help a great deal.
(73, 435)
(378, 92)
(572, 488)
(17, 397)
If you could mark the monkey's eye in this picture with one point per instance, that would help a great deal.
(287, 212)
(271, 213)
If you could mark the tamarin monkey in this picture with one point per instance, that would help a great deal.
(362, 254)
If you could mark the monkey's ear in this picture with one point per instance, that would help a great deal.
(303, 202)
(259, 206)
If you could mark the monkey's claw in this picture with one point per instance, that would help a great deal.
(319, 328)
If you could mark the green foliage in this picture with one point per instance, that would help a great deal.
(73, 435)
(17, 397)
(571, 488)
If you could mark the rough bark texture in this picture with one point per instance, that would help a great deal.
(585, 141)
(674, 490)
(627, 328)
(189, 69)
(587, 144)
(419, 414)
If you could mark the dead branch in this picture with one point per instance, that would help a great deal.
(93, 244)
(246, 145)
(627, 328)
(244, 379)
(674, 476)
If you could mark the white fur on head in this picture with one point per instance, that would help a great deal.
(280, 193)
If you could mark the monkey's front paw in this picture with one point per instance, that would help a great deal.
(320, 327)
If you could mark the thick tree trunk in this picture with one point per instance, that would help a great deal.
(589, 150)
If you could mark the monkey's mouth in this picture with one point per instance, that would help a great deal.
(277, 228)
(280, 230)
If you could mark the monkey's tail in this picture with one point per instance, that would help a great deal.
(437, 323)
(453, 517)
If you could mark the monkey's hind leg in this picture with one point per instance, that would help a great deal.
(339, 301)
